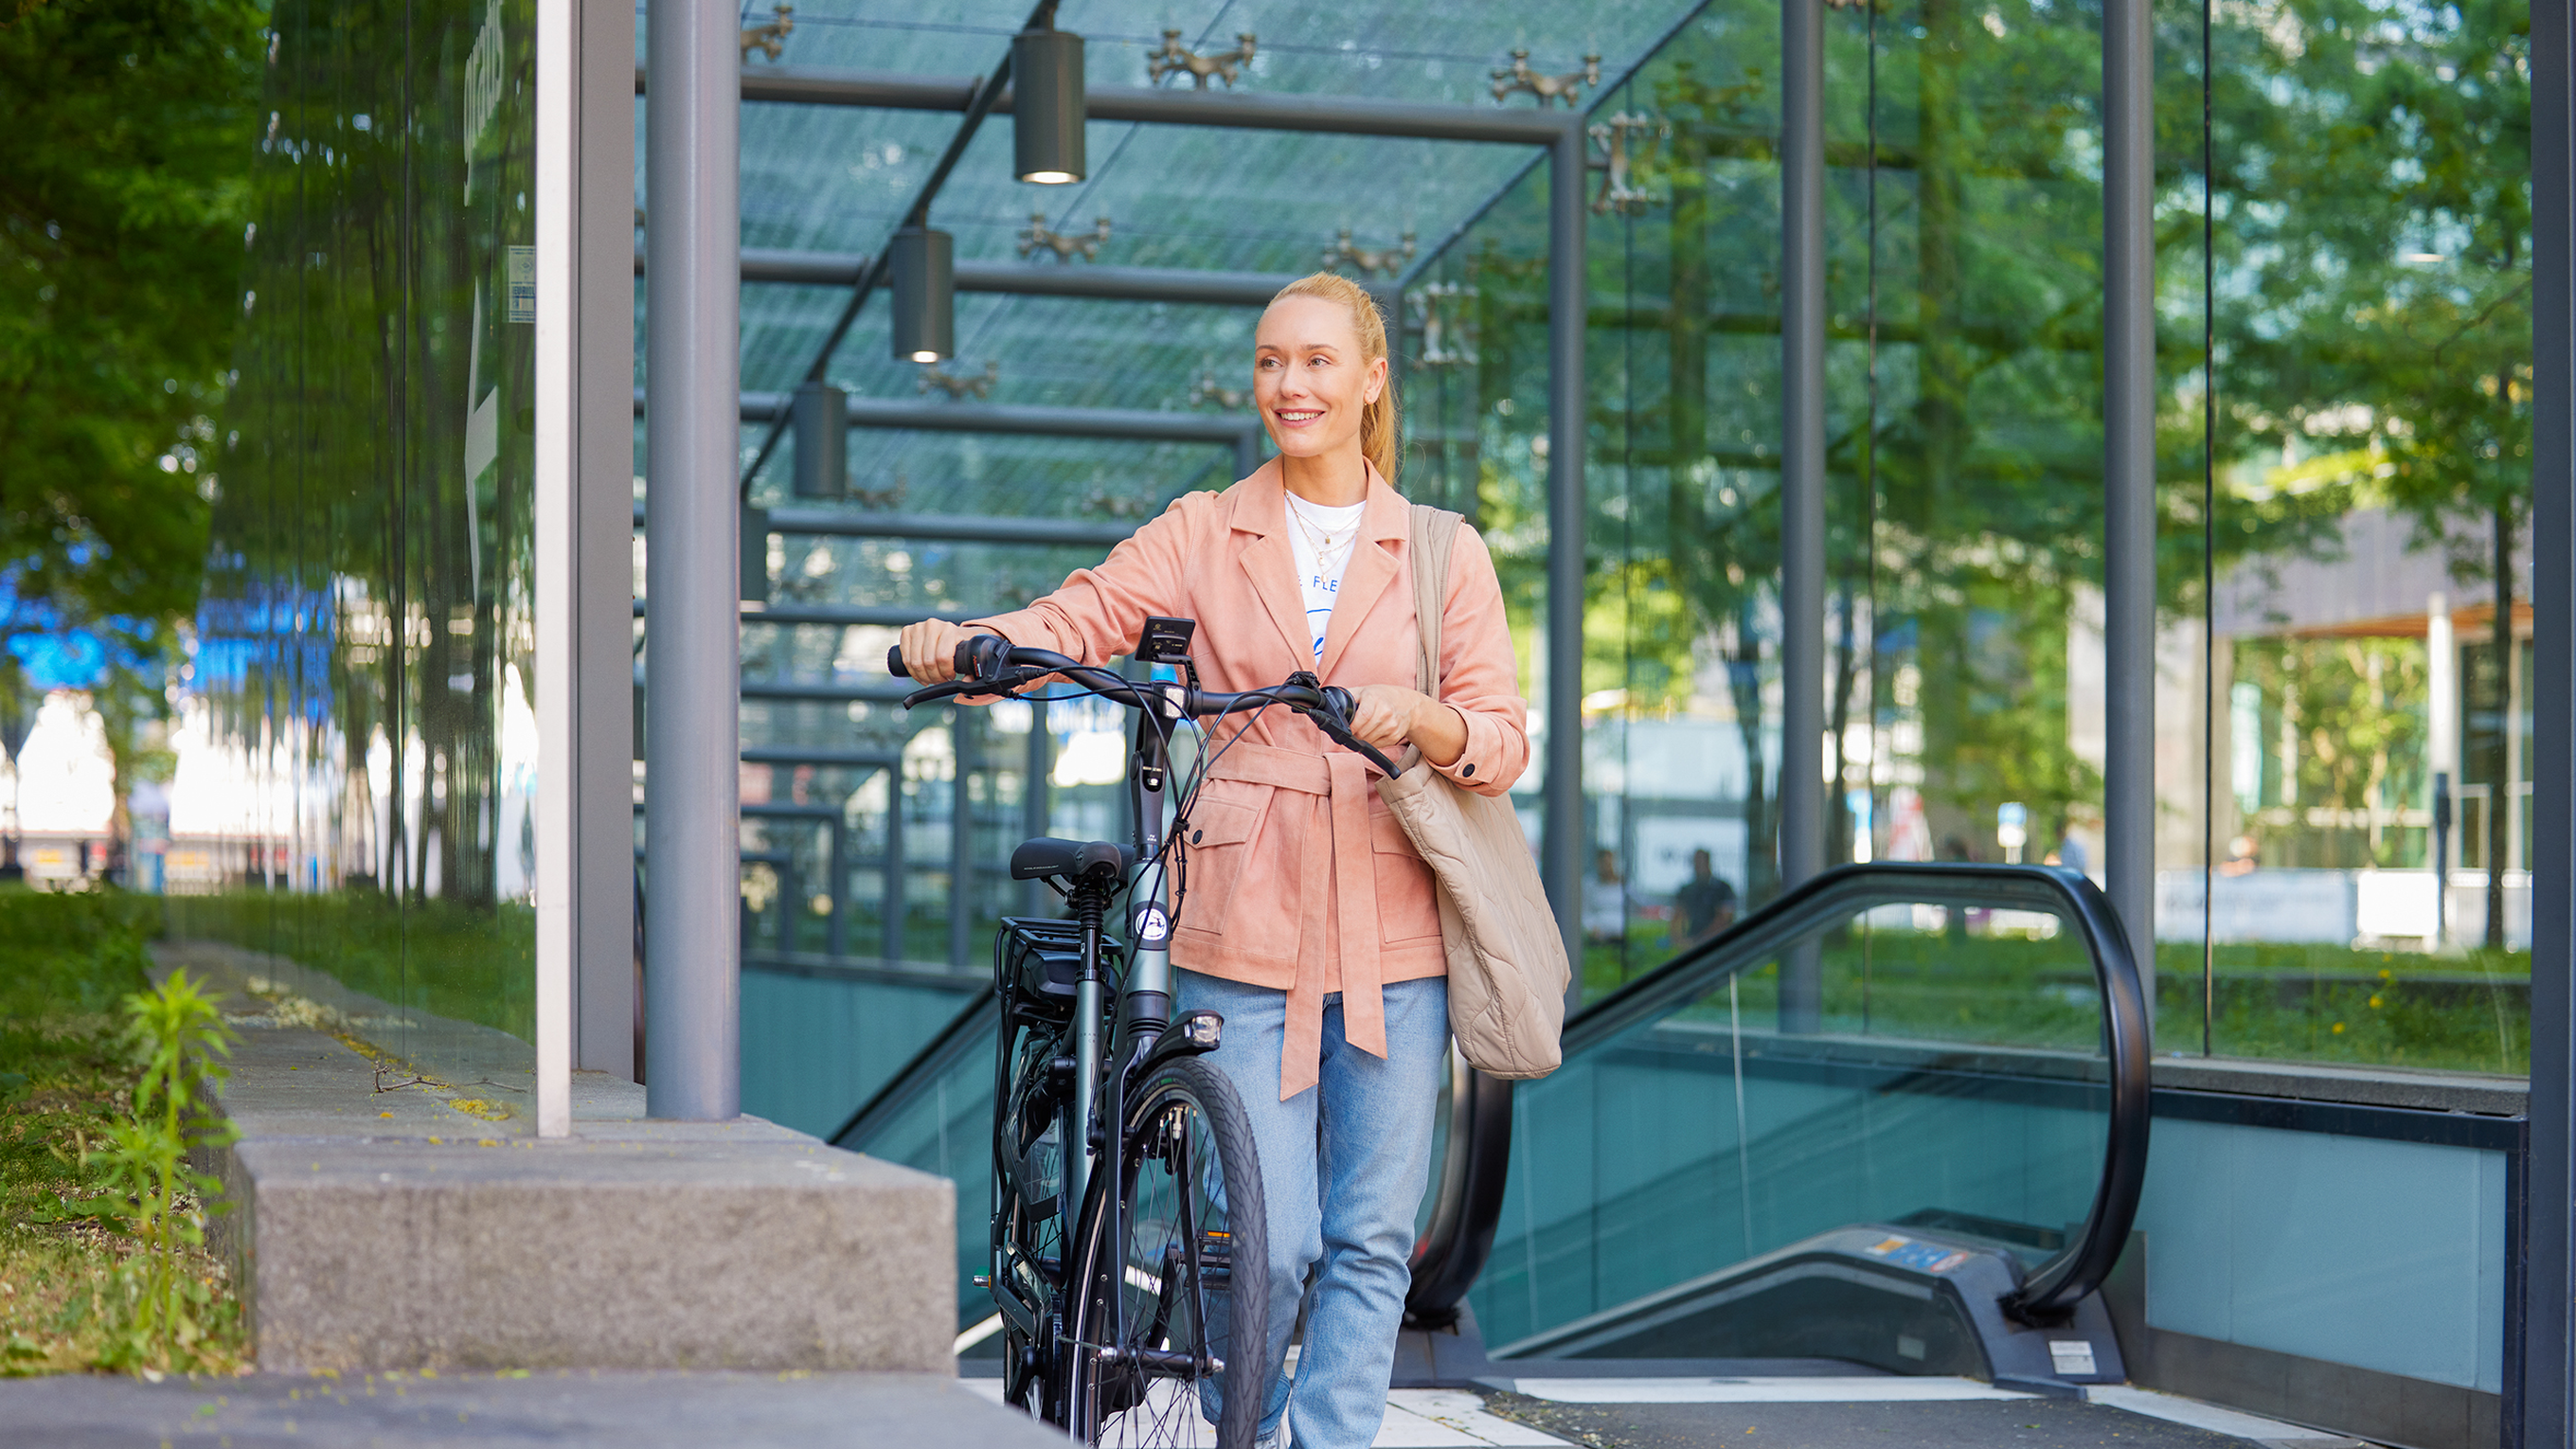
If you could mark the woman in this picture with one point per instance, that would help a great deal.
(1310, 922)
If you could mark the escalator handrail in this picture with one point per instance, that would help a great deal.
(1461, 1234)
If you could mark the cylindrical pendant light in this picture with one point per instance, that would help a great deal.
(1047, 106)
(822, 441)
(925, 294)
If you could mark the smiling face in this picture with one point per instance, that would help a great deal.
(1309, 377)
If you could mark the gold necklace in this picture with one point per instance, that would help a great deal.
(1317, 536)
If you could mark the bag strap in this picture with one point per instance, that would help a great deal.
(1435, 531)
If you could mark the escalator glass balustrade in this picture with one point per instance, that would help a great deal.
(1896, 1117)
(937, 1115)
(1786, 1142)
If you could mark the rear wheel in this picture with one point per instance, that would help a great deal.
(1029, 1222)
(1157, 1356)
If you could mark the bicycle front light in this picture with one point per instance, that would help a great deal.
(1203, 1030)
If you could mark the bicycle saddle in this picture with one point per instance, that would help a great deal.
(1048, 856)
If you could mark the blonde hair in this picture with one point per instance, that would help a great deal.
(1380, 430)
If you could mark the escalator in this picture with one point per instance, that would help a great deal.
(1897, 1118)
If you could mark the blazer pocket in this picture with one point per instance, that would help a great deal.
(1408, 908)
(1219, 844)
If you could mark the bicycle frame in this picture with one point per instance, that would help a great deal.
(1108, 1048)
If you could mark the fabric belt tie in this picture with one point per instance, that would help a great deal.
(1337, 888)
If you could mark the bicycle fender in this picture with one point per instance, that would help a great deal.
(1194, 1033)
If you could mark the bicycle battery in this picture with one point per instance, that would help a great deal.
(1041, 960)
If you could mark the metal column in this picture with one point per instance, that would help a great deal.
(890, 941)
(2129, 480)
(603, 781)
(1802, 798)
(1562, 862)
(693, 901)
(1033, 798)
(2544, 1371)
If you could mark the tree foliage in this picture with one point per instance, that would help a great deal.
(124, 194)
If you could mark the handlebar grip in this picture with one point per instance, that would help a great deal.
(969, 664)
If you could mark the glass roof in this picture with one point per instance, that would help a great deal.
(836, 179)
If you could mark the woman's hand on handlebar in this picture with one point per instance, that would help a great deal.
(1389, 715)
(930, 649)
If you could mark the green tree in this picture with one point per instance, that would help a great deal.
(2374, 171)
(124, 197)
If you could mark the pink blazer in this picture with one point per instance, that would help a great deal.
(1299, 877)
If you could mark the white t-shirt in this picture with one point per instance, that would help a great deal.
(1319, 572)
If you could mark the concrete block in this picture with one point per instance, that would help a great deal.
(374, 1225)
(639, 1253)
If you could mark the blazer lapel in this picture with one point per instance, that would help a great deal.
(1269, 564)
(1388, 519)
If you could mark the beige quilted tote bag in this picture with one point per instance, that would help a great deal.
(1507, 967)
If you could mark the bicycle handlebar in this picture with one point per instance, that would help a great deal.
(987, 664)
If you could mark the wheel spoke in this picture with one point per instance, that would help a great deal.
(1155, 1387)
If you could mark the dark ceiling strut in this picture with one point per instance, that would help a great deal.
(1134, 424)
(950, 527)
(1241, 110)
(841, 616)
(1118, 284)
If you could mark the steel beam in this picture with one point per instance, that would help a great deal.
(1563, 834)
(1802, 797)
(952, 527)
(892, 869)
(891, 691)
(1237, 110)
(1111, 284)
(692, 160)
(1135, 424)
(962, 742)
(1039, 765)
(891, 616)
(821, 759)
(2129, 479)
(2540, 1326)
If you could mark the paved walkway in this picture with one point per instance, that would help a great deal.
(808, 1411)
(556, 1410)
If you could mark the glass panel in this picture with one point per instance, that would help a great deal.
(2356, 885)
(356, 759)
(1947, 1076)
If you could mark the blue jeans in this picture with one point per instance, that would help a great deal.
(1343, 1166)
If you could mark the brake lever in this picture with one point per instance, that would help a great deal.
(1370, 753)
(1333, 721)
(999, 686)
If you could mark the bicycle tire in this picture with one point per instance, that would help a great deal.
(1183, 1111)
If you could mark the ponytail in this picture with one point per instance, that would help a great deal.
(1381, 430)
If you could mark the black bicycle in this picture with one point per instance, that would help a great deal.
(1118, 1291)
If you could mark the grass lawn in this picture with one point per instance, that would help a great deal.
(2283, 1002)
(66, 961)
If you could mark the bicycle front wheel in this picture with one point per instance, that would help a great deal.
(1170, 1340)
